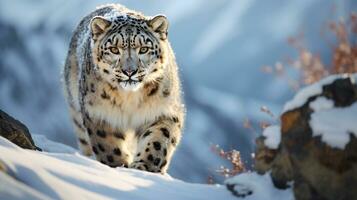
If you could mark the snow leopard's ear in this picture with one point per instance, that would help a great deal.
(98, 26)
(159, 24)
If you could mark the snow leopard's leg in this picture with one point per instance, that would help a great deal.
(81, 133)
(71, 94)
(156, 145)
(108, 144)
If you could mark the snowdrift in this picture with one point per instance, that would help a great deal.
(63, 173)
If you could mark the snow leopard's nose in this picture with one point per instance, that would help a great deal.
(129, 72)
(129, 66)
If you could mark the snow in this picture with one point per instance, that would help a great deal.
(321, 103)
(273, 137)
(13, 189)
(44, 175)
(69, 175)
(312, 90)
(335, 125)
(49, 146)
(260, 186)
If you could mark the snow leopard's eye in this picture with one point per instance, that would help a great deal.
(143, 50)
(114, 50)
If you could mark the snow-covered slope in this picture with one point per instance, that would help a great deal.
(68, 175)
(72, 176)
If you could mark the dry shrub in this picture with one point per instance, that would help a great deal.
(234, 158)
(309, 64)
(262, 124)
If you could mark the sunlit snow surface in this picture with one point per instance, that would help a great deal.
(311, 90)
(273, 137)
(69, 175)
(45, 175)
(335, 125)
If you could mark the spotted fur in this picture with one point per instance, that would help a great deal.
(123, 89)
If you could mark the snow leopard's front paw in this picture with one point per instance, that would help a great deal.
(141, 165)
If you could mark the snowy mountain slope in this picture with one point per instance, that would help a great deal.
(69, 175)
(220, 47)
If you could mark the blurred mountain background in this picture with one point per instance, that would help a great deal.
(220, 45)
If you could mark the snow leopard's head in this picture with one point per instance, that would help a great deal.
(129, 50)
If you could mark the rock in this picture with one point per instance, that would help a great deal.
(3, 167)
(264, 156)
(251, 185)
(16, 132)
(320, 167)
(275, 160)
(239, 190)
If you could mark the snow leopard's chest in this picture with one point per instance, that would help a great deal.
(123, 110)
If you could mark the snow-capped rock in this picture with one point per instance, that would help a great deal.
(318, 142)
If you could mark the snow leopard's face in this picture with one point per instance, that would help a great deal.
(129, 50)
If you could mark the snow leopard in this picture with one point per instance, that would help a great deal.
(123, 89)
